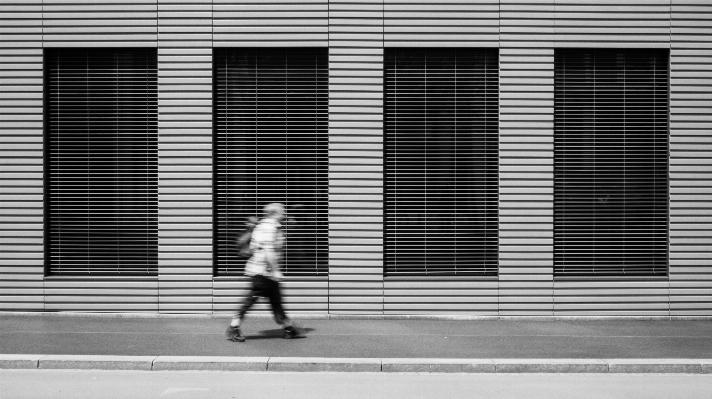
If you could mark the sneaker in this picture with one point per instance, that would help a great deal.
(291, 332)
(234, 334)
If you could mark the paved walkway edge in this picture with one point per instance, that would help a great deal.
(226, 363)
(319, 316)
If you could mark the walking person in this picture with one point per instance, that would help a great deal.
(265, 274)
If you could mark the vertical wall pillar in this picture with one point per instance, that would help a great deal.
(21, 249)
(526, 157)
(356, 156)
(185, 156)
(690, 159)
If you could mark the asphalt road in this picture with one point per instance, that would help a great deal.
(360, 338)
(74, 384)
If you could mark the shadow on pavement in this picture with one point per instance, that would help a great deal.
(278, 333)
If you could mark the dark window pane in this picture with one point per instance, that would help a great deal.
(611, 163)
(271, 145)
(441, 162)
(101, 175)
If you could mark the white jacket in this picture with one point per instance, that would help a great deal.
(267, 236)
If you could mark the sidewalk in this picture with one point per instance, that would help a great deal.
(357, 344)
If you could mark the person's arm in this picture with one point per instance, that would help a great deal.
(273, 255)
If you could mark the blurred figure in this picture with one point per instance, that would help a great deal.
(263, 268)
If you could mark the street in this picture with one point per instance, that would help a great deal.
(80, 384)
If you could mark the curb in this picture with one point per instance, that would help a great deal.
(228, 363)
(213, 363)
(318, 316)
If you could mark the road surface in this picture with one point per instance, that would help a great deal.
(92, 384)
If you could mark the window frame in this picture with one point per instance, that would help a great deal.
(489, 257)
(225, 230)
(657, 273)
(150, 161)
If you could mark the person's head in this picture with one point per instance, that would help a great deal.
(274, 211)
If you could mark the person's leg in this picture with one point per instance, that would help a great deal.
(246, 305)
(233, 331)
(248, 301)
(280, 316)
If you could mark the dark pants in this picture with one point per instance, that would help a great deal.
(265, 288)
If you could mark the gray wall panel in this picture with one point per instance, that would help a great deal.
(185, 156)
(526, 158)
(100, 23)
(269, 23)
(690, 154)
(431, 23)
(21, 158)
(355, 156)
(612, 23)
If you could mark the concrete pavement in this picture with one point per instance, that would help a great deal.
(374, 344)
(127, 384)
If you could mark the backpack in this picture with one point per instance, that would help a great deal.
(243, 241)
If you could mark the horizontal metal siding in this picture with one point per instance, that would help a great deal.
(526, 158)
(185, 156)
(611, 298)
(356, 157)
(101, 295)
(691, 159)
(21, 158)
(528, 31)
(448, 23)
(270, 23)
(460, 296)
(603, 24)
(129, 23)
(612, 23)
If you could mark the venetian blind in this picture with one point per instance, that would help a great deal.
(271, 145)
(441, 162)
(611, 163)
(101, 163)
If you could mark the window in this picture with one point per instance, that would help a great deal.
(441, 162)
(271, 145)
(101, 162)
(611, 163)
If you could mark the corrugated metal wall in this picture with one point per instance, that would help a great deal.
(185, 79)
(526, 32)
(526, 158)
(356, 156)
(21, 190)
(691, 158)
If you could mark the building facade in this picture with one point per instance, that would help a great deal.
(472, 157)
